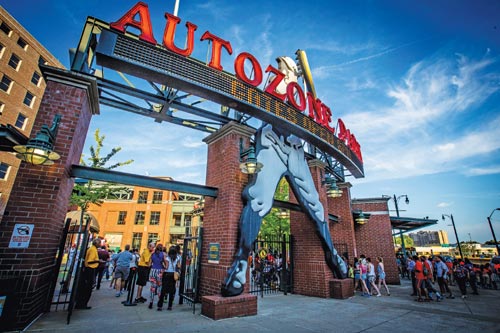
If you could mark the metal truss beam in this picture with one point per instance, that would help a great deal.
(145, 181)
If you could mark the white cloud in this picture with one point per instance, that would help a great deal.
(484, 171)
(404, 139)
(444, 204)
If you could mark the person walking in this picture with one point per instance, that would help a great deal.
(461, 276)
(133, 269)
(143, 271)
(122, 269)
(158, 264)
(357, 276)
(429, 279)
(371, 276)
(363, 269)
(411, 271)
(381, 275)
(103, 265)
(420, 278)
(87, 279)
(168, 281)
(442, 276)
(472, 276)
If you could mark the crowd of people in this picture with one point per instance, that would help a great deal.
(156, 264)
(367, 279)
(424, 272)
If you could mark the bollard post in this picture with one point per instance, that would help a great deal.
(130, 295)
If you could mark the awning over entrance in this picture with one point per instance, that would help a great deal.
(75, 216)
(406, 224)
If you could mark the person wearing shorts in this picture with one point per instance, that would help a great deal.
(143, 271)
(122, 268)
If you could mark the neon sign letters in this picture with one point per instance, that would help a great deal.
(306, 107)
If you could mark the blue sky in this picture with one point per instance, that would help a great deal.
(416, 81)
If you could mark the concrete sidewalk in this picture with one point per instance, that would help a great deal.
(292, 313)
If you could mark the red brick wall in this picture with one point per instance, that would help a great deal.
(311, 275)
(374, 238)
(343, 231)
(222, 214)
(40, 196)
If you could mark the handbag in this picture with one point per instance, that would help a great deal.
(176, 276)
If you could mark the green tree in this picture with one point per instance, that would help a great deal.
(277, 222)
(408, 241)
(88, 193)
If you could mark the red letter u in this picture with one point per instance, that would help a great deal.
(169, 36)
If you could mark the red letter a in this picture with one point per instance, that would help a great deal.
(144, 25)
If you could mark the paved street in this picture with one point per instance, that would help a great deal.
(293, 313)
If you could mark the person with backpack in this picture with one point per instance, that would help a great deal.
(420, 275)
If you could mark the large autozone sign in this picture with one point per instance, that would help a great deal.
(300, 113)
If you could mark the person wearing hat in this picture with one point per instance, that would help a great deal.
(461, 276)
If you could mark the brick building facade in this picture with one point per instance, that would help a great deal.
(21, 90)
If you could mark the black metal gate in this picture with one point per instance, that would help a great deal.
(271, 265)
(190, 270)
(70, 257)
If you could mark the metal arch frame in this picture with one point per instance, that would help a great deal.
(165, 100)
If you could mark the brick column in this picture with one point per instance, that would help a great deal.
(40, 196)
(222, 215)
(311, 274)
(343, 231)
(374, 238)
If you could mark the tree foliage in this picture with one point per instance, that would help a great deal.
(88, 193)
(408, 241)
(277, 223)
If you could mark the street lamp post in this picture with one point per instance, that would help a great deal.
(455, 230)
(492, 231)
(407, 201)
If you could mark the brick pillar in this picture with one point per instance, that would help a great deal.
(343, 231)
(40, 196)
(374, 238)
(311, 275)
(222, 214)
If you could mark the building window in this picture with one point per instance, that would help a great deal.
(41, 61)
(35, 79)
(5, 84)
(122, 217)
(1, 50)
(136, 240)
(29, 99)
(157, 197)
(4, 170)
(14, 61)
(187, 220)
(153, 237)
(177, 219)
(143, 197)
(2, 105)
(5, 28)
(155, 218)
(20, 121)
(140, 217)
(22, 43)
